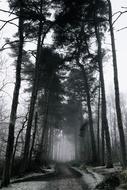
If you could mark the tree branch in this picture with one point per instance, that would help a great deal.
(122, 29)
(10, 12)
(4, 84)
(124, 7)
(120, 14)
(8, 21)
(7, 93)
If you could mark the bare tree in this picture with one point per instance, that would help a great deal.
(10, 142)
(117, 96)
(33, 137)
(17, 138)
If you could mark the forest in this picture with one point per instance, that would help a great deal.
(60, 111)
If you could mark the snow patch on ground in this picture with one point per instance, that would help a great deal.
(90, 178)
(46, 171)
(29, 175)
(26, 186)
(105, 171)
(95, 175)
(30, 185)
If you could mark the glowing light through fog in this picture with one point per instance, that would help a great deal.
(64, 150)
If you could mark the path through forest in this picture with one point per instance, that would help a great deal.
(64, 179)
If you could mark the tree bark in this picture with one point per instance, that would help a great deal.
(87, 90)
(104, 107)
(93, 143)
(117, 96)
(103, 146)
(49, 142)
(44, 127)
(81, 138)
(98, 125)
(33, 139)
(17, 138)
(33, 98)
(10, 141)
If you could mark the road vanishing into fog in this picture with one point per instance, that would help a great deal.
(65, 179)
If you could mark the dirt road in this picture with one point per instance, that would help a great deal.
(63, 179)
(66, 179)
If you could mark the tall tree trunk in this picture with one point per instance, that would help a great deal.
(115, 135)
(33, 139)
(49, 142)
(117, 96)
(103, 146)
(81, 138)
(93, 143)
(17, 138)
(45, 120)
(52, 143)
(87, 90)
(33, 97)
(104, 107)
(44, 155)
(44, 126)
(76, 143)
(98, 125)
(10, 141)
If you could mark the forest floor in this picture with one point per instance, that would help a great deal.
(104, 178)
(62, 177)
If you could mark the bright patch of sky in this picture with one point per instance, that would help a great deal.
(6, 69)
(121, 47)
(63, 149)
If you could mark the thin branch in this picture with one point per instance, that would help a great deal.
(48, 29)
(4, 85)
(7, 93)
(124, 7)
(117, 18)
(12, 12)
(8, 43)
(2, 10)
(17, 138)
(8, 22)
(2, 49)
(122, 29)
(116, 13)
(120, 14)
(32, 52)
